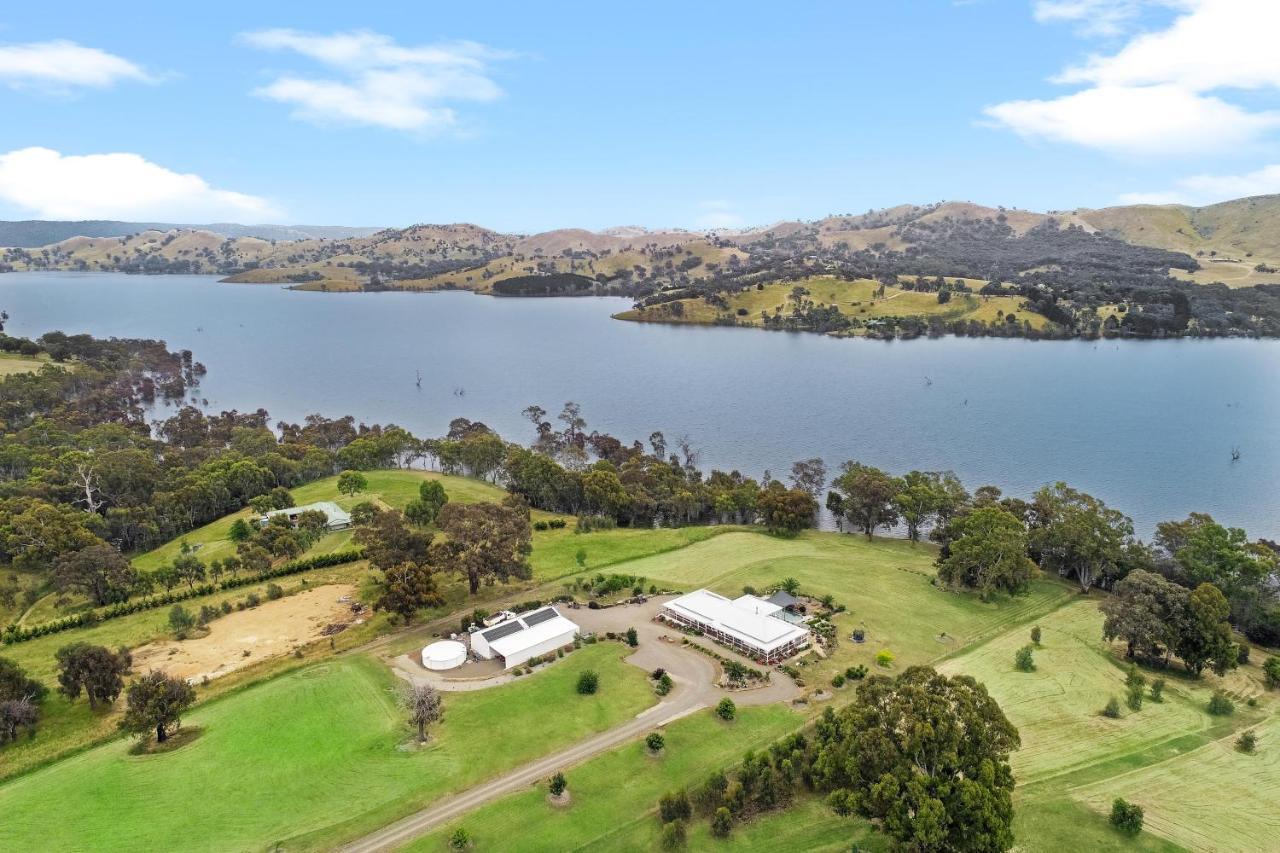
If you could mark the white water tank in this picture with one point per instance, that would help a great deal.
(446, 654)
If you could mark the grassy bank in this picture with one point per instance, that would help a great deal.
(310, 758)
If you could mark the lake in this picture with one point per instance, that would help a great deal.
(1148, 426)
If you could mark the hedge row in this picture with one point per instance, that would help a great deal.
(16, 634)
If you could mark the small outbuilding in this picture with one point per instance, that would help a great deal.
(336, 517)
(445, 654)
(525, 636)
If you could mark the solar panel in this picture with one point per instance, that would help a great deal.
(539, 616)
(506, 629)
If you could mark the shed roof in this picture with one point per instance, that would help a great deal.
(333, 512)
(527, 630)
(782, 598)
(748, 618)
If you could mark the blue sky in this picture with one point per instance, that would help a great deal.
(527, 117)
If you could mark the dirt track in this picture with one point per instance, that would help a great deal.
(273, 628)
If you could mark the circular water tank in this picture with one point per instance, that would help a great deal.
(446, 654)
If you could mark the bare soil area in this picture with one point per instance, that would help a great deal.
(273, 628)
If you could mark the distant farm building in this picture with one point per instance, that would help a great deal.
(746, 624)
(337, 517)
(523, 637)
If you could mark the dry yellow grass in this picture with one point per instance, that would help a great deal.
(11, 364)
(856, 299)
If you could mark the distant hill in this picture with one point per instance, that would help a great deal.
(1143, 270)
(33, 233)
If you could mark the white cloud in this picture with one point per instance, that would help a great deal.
(1136, 120)
(1091, 17)
(1216, 44)
(63, 65)
(1170, 91)
(718, 214)
(381, 83)
(1207, 189)
(51, 185)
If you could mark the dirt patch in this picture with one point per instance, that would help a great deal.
(241, 638)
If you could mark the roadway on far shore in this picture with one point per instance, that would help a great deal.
(694, 673)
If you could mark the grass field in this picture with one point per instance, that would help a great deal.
(308, 759)
(11, 363)
(854, 299)
(1056, 708)
(392, 488)
(614, 795)
(1214, 798)
(65, 726)
(872, 580)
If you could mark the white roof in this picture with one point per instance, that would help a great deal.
(444, 650)
(747, 618)
(535, 627)
(331, 510)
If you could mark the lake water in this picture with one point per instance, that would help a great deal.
(1148, 426)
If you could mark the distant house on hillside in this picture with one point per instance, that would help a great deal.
(338, 518)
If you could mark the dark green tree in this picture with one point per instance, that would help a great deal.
(925, 755)
(156, 703)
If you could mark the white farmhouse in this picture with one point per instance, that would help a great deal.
(747, 624)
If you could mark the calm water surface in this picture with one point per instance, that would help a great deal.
(1148, 426)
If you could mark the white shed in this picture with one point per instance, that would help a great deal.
(526, 636)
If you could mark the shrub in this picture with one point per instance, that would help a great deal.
(726, 710)
(673, 835)
(1247, 742)
(655, 741)
(1242, 654)
(1271, 671)
(1252, 701)
(588, 682)
(1133, 678)
(1157, 690)
(658, 673)
(460, 840)
(838, 681)
(1023, 660)
(856, 673)
(721, 823)
(674, 805)
(1035, 635)
(633, 639)
(181, 621)
(274, 591)
(884, 657)
(1134, 699)
(252, 600)
(1126, 816)
(540, 525)
(664, 684)
(1220, 705)
(1112, 709)
(557, 785)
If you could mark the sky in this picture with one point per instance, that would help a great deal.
(531, 116)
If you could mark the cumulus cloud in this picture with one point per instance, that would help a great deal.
(1195, 66)
(1136, 120)
(379, 82)
(1207, 189)
(64, 65)
(52, 185)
